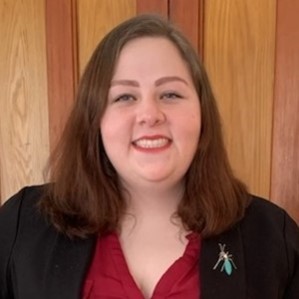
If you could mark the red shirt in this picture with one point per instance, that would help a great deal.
(109, 276)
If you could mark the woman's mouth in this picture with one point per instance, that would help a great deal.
(152, 142)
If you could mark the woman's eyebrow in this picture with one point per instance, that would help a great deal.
(170, 79)
(158, 82)
(125, 82)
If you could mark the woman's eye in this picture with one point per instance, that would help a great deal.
(171, 95)
(124, 98)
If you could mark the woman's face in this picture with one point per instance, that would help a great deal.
(151, 126)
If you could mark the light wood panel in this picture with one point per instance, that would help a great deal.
(285, 157)
(239, 46)
(24, 144)
(95, 19)
(61, 42)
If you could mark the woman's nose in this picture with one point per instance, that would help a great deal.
(150, 113)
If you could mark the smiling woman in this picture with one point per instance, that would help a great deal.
(143, 202)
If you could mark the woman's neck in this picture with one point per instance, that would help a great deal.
(152, 208)
(153, 198)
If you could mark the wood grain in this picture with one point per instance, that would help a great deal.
(239, 47)
(61, 63)
(24, 135)
(95, 19)
(285, 155)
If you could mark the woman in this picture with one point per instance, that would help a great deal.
(143, 202)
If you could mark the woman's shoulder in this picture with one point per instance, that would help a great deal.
(264, 219)
(22, 211)
(265, 211)
(270, 238)
(25, 200)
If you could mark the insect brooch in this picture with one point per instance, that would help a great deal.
(227, 260)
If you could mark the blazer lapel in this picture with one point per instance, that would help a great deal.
(68, 265)
(214, 282)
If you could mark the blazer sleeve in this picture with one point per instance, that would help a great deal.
(9, 220)
(291, 234)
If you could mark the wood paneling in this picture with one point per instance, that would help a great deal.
(24, 138)
(95, 19)
(239, 53)
(239, 46)
(61, 63)
(152, 6)
(285, 156)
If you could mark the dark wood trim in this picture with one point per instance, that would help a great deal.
(285, 152)
(62, 69)
(201, 23)
(152, 6)
(188, 15)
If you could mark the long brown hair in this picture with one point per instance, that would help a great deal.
(85, 198)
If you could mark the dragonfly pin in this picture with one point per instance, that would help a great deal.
(226, 259)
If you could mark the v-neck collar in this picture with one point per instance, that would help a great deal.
(173, 275)
(70, 260)
(109, 267)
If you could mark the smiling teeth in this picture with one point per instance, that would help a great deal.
(152, 143)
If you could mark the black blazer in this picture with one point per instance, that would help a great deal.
(36, 262)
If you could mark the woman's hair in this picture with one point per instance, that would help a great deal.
(85, 196)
